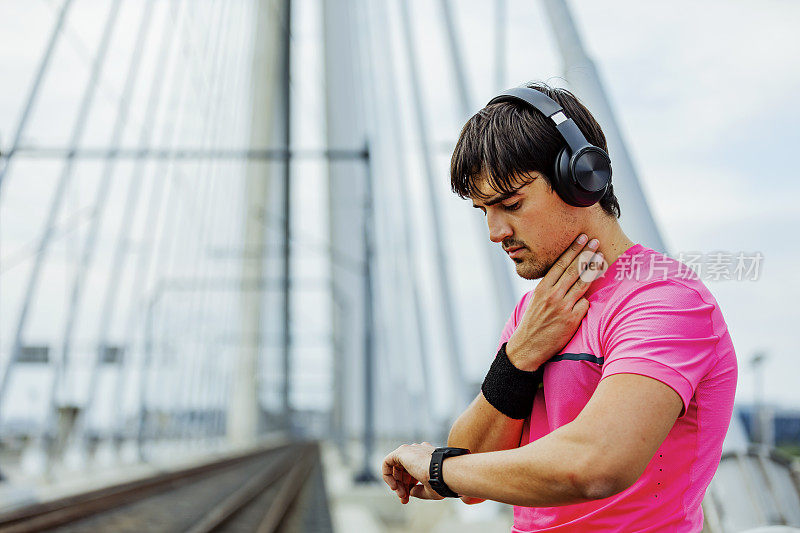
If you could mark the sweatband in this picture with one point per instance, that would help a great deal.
(509, 389)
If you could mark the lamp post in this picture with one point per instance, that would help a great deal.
(760, 430)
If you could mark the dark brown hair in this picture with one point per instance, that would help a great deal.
(506, 141)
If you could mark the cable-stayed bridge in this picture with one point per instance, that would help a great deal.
(226, 225)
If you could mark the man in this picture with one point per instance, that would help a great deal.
(608, 401)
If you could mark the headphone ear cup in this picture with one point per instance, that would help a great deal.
(590, 173)
(562, 182)
(592, 166)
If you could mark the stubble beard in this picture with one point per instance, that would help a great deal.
(532, 268)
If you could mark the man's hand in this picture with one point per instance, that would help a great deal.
(557, 307)
(406, 471)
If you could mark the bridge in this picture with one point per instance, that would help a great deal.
(230, 264)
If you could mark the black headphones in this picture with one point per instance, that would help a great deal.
(582, 171)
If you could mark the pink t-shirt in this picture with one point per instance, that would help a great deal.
(648, 315)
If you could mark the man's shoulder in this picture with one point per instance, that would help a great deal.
(653, 276)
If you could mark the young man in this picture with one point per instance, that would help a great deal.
(608, 401)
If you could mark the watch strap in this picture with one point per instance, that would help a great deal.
(435, 478)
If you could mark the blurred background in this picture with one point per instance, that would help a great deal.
(228, 222)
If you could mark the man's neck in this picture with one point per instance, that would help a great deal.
(613, 241)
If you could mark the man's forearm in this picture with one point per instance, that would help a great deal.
(482, 428)
(554, 470)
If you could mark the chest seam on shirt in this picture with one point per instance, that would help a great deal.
(591, 358)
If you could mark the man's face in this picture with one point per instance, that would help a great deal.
(533, 225)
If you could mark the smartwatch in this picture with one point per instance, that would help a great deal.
(435, 471)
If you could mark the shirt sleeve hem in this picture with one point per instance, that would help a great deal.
(653, 369)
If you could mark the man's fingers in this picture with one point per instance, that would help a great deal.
(397, 477)
(400, 466)
(397, 474)
(581, 307)
(591, 268)
(389, 463)
(563, 262)
(424, 493)
(390, 480)
(404, 480)
(574, 270)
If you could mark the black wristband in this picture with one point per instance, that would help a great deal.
(509, 389)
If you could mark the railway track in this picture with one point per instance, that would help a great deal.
(264, 491)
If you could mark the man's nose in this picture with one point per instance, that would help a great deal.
(498, 228)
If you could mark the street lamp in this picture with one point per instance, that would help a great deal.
(760, 429)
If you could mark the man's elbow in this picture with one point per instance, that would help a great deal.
(454, 437)
(600, 488)
(596, 483)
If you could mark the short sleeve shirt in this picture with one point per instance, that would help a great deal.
(648, 315)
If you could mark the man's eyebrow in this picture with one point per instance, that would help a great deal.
(497, 199)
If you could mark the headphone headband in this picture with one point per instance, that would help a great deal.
(537, 99)
(549, 108)
(582, 171)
